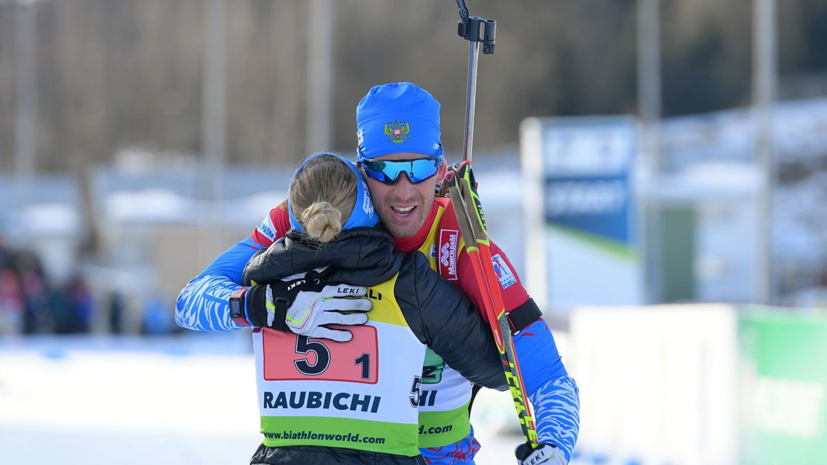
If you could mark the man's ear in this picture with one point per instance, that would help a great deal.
(443, 169)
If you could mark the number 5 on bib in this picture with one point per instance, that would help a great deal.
(291, 357)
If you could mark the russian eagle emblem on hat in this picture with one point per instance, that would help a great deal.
(397, 132)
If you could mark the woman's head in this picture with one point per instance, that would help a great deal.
(327, 195)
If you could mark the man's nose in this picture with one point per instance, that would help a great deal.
(404, 187)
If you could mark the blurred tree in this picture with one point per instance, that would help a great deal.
(119, 74)
(7, 94)
(706, 54)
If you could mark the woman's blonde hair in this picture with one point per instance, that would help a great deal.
(322, 195)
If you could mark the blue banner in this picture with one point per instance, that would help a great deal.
(599, 205)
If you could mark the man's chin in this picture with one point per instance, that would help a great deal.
(402, 231)
(401, 228)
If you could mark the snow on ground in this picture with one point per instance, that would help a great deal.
(96, 401)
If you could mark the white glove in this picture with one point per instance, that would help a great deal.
(546, 454)
(310, 311)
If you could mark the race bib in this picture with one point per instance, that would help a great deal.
(291, 357)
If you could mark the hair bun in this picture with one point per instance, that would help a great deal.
(322, 221)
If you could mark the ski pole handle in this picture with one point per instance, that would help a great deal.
(475, 30)
(470, 102)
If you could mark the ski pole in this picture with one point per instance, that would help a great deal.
(471, 222)
(469, 29)
(462, 188)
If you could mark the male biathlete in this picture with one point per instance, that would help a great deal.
(401, 156)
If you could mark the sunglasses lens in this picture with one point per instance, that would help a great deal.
(423, 169)
(381, 171)
(388, 171)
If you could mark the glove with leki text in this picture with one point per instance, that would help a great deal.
(544, 453)
(305, 305)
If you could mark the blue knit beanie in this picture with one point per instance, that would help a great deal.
(398, 117)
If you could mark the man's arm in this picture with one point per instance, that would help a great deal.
(554, 395)
(552, 392)
(203, 304)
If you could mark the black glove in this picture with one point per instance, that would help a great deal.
(463, 170)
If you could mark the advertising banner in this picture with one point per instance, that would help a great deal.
(783, 388)
(581, 210)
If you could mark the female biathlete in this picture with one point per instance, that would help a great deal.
(355, 401)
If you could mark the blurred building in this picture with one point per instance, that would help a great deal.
(694, 224)
(717, 149)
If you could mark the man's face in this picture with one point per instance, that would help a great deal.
(404, 206)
